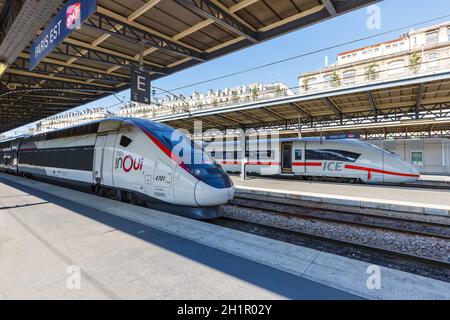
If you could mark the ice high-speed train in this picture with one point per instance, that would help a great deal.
(134, 160)
(345, 160)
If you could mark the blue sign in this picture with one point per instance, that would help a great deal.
(68, 19)
(340, 136)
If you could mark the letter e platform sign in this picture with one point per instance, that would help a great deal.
(140, 86)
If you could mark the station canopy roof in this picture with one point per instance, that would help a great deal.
(96, 60)
(419, 104)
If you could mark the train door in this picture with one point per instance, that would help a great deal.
(98, 159)
(133, 161)
(286, 157)
(14, 157)
(108, 159)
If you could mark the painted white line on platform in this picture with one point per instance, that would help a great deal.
(335, 271)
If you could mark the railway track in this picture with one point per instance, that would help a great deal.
(391, 223)
(405, 261)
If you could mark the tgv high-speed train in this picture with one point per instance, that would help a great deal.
(345, 160)
(134, 160)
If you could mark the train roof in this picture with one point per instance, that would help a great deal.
(306, 139)
(91, 127)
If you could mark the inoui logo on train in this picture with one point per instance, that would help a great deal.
(128, 163)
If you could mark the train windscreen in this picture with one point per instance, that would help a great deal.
(194, 158)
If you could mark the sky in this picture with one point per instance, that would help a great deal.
(339, 30)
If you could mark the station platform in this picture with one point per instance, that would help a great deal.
(405, 199)
(434, 181)
(435, 178)
(128, 252)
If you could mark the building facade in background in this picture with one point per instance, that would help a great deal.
(415, 53)
(170, 104)
(69, 119)
(429, 156)
(420, 52)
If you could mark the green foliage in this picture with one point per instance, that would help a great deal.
(278, 91)
(235, 97)
(335, 79)
(255, 91)
(414, 62)
(371, 72)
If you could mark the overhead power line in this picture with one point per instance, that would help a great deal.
(309, 53)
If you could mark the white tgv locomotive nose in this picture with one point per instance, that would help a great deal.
(208, 196)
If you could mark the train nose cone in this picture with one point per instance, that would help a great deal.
(231, 193)
(207, 196)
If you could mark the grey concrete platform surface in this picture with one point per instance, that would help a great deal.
(405, 199)
(435, 178)
(42, 236)
(125, 251)
(434, 181)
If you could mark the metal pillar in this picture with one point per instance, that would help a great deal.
(244, 160)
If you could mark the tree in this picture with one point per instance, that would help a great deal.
(335, 79)
(371, 72)
(414, 62)
(235, 97)
(278, 91)
(255, 92)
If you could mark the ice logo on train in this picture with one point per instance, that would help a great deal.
(73, 16)
(128, 163)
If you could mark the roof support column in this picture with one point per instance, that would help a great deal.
(330, 7)
(374, 105)
(299, 125)
(335, 109)
(420, 92)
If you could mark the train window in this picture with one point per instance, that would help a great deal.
(264, 154)
(298, 154)
(334, 155)
(125, 141)
(417, 157)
